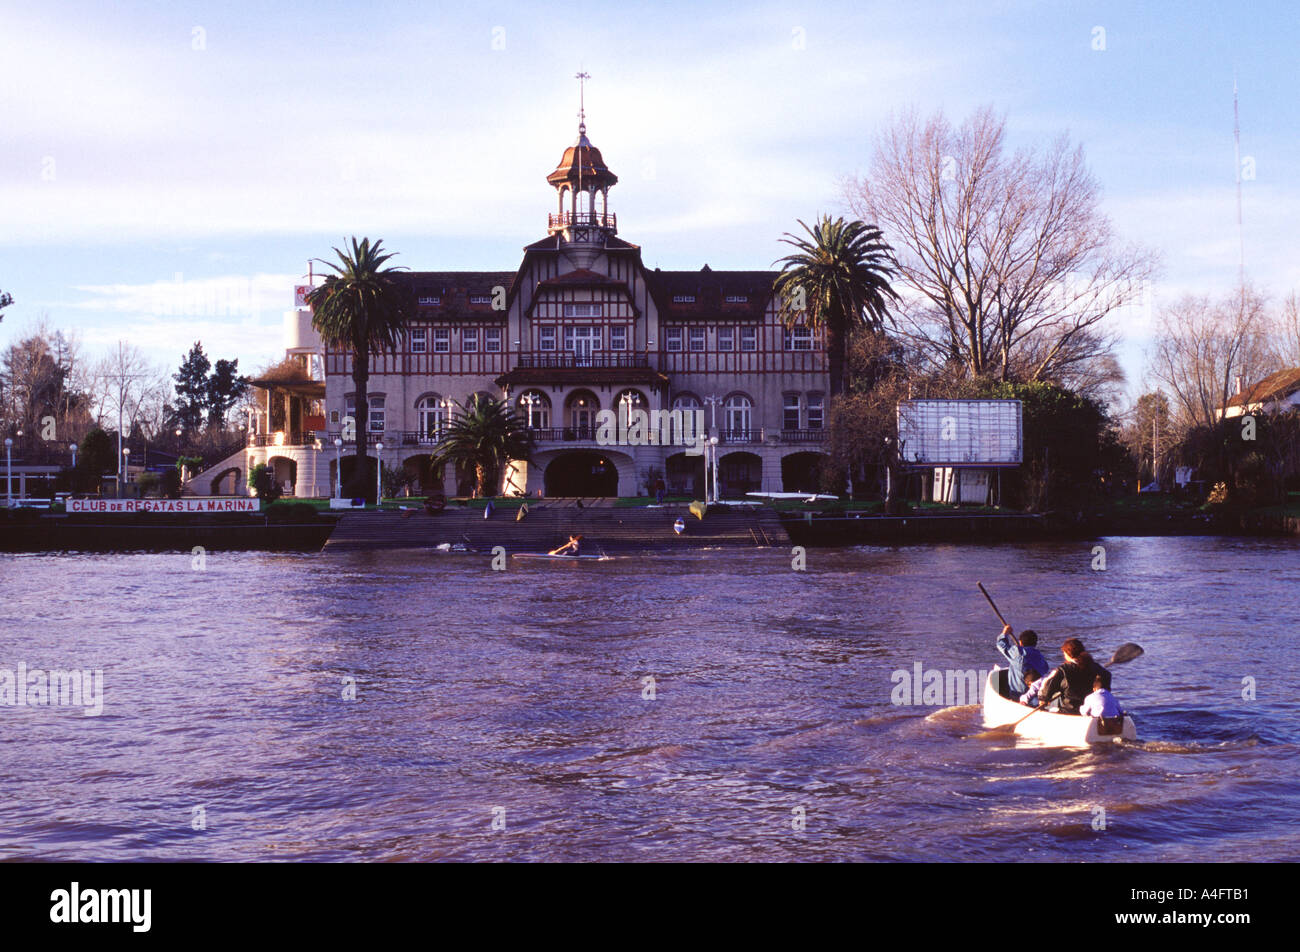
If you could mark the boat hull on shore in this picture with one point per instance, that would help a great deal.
(1046, 727)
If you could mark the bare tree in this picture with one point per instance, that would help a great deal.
(1006, 264)
(129, 392)
(1203, 345)
(1286, 333)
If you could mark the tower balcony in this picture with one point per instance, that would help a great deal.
(606, 221)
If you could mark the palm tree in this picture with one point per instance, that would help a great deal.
(363, 307)
(486, 434)
(837, 281)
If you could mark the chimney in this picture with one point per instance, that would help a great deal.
(1237, 384)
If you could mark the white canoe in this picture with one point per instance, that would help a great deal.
(1048, 727)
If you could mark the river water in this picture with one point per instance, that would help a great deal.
(508, 715)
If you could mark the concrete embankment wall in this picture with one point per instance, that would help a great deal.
(55, 533)
(546, 527)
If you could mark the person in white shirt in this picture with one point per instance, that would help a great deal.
(1034, 682)
(1100, 703)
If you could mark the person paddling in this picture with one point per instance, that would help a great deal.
(572, 547)
(1022, 655)
(1073, 681)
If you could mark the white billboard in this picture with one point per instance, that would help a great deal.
(960, 432)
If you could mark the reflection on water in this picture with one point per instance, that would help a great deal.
(525, 697)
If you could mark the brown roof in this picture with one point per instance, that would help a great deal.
(582, 162)
(453, 289)
(1273, 387)
(711, 289)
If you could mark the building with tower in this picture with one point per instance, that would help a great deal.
(581, 326)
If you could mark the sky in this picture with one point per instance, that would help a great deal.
(167, 170)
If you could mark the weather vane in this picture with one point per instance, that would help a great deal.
(582, 110)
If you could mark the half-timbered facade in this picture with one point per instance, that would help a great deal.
(580, 327)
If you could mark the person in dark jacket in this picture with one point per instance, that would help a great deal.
(1074, 679)
(1022, 654)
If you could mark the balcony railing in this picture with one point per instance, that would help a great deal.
(302, 438)
(418, 438)
(740, 436)
(598, 219)
(374, 436)
(568, 361)
(803, 436)
(563, 434)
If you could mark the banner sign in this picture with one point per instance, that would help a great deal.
(300, 292)
(187, 504)
(960, 432)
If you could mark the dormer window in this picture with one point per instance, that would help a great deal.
(480, 299)
(737, 299)
(583, 310)
(683, 298)
(429, 300)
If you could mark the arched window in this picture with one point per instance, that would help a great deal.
(632, 400)
(432, 410)
(583, 407)
(738, 413)
(686, 401)
(535, 408)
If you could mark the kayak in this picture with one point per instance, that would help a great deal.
(1049, 727)
(561, 558)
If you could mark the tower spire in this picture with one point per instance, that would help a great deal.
(582, 78)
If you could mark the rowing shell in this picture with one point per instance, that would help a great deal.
(1047, 727)
(561, 558)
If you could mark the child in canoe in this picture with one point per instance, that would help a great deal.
(1100, 703)
(1034, 682)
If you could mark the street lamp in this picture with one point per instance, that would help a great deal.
(713, 444)
(73, 447)
(9, 473)
(338, 466)
(379, 473)
(126, 466)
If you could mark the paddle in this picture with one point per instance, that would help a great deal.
(1124, 653)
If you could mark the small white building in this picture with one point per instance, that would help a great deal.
(1276, 393)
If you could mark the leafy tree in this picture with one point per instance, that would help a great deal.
(5, 300)
(169, 485)
(837, 281)
(96, 456)
(1071, 448)
(361, 308)
(225, 388)
(192, 389)
(485, 435)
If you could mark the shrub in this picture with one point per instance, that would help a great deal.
(261, 479)
(169, 486)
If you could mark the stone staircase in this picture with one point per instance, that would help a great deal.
(549, 525)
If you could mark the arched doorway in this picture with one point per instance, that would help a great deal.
(226, 482)
(581, 474)
(801, 472)
(418, 471)
(739, 473)
(350, 467)
(684, 475)
(285, 473)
